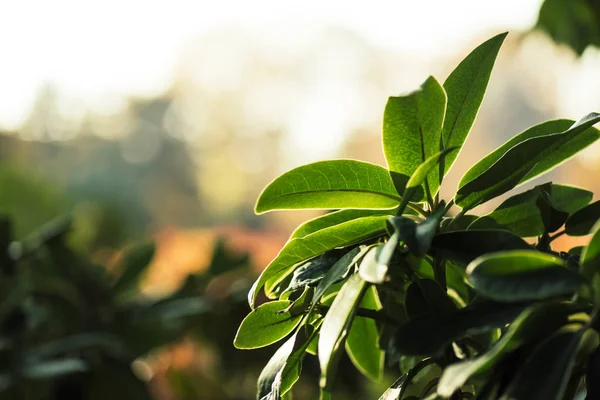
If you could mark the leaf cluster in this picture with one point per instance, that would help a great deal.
(393, 278)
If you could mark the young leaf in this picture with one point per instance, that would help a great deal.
(536, 150)
(424, 169)
(135, 262)
(462, 247)
(534, 380)
(302, 249)
(428, 334)
(311, 272)
(334, 218)
(266, 325)
(374, 266)
(362, 341)
(520, 214)
(523, 275)
(335, 327)
(330, 184)
(580, 223)
(465, 88)
(533, 324)
(412, 127)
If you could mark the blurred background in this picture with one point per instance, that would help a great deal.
(164, 120)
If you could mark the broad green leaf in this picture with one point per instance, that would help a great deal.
(330, 184)
(424, 169)
(462, 247)
(532, 153)
(459, 223)
(532, 325)
(363, 338)
(535, 380)
(580, 223)
(334, 218)
(522, 275)
(266, 325)
(335, 327)
(304, 248)
(412, 128)
(520, 214)
(428, 334)
(465, 87)
(590, 257)
(135, 261)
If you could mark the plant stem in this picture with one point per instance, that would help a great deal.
(363, 312)
(429, 197)
(557, 235)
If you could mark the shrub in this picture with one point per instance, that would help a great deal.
(71, 329)
(463, 304)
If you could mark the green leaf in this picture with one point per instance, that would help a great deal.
(394, 391)
(54, 369)
(412, 127)
(337, 272)
(429, 334)
(330, 184)
(590, 257)
(552, 216)
(426, 296)
(532, 325)
(466, 86)
(374, 266)
(334, 218)
(335, 327)
(522, 275)
(362, 341)
(269, 381)
(520, 214)
(535, 380)
(311, 272)
(302, 249)
(135, 261)
(420, 175)
(524, 157)
(580, 223)
(462, 247)
(266, 325)
(283, 369)
(418, 237)
(293, 366)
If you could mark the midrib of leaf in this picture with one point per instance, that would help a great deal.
(388, 195)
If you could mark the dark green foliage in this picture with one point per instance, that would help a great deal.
(498, 316)
(69, 329)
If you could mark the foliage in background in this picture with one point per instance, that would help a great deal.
(575, 23)
(70, 328)
(458, 307)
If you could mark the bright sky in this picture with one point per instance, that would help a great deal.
(100, 51)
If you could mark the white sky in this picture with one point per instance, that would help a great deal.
(98, 50)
